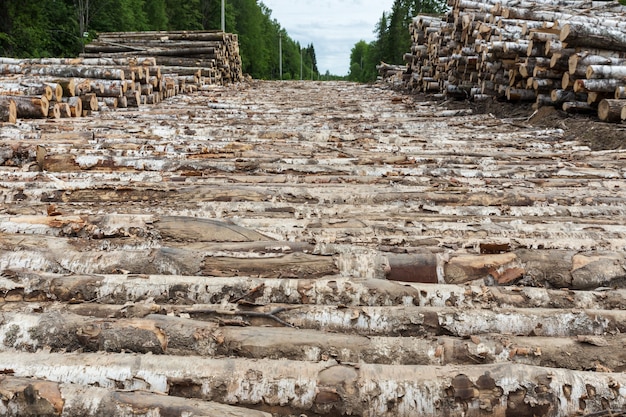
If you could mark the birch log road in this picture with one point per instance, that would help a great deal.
(307, 248)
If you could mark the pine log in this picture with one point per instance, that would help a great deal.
(31, 107)
(329, 387)
(610, 110)
(8, 109)
(24, 397)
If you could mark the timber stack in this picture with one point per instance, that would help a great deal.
(211, 55)
(356, 255)
(152, 67)
(74, 87)
(570, 54)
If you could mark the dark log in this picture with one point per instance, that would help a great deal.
(31, 107)
(610, 110)
(8, 109)
(24, 397)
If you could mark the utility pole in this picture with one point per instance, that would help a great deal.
(300, 64)
(223, 16)
(280, 54)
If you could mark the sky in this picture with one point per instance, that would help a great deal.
(333, 27)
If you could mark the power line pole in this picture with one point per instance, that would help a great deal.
(223, 16)
(300, 64)
(280, 54)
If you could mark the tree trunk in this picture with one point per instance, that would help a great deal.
(31, 107)
(595, 36)
(610, 110)
(160, 334)
(605, 85)
(331, 388)
(606, 71)
(38, 397)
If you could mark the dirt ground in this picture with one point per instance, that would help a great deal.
(587, 129)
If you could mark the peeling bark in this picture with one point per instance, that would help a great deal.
(27, 396)
(332, 388)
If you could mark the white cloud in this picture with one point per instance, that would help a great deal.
(333, 27)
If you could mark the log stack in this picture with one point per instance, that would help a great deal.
(320, 261)
(118, 70)
(570, 54)
(211, 55)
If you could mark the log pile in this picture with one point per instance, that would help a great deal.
(211, 55)
(570, 54)
(355, 255)
(153, 67)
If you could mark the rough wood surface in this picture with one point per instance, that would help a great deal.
(331, 249)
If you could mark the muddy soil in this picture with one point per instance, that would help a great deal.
(584, 128)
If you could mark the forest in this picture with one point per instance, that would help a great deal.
(50, 28)
(392, 38)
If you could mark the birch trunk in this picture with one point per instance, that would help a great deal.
(332, 388)
(610, 110)
(23, 397)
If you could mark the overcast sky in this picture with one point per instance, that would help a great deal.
(333, 27)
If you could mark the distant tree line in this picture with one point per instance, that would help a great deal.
(49, 28)
(392, 38)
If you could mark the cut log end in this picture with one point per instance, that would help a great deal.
(8, 110)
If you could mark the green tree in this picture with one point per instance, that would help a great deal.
(156, 14)
(184, 15)
(393, 39)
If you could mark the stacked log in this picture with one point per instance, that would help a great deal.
(214, 55)
(569, 54)
(411, 272)
(119, 70)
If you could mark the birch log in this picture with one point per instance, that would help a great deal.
(610, 110)
(8, 109)
(329, 387)
(596, 36)
(24, 397)
(31, 106)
